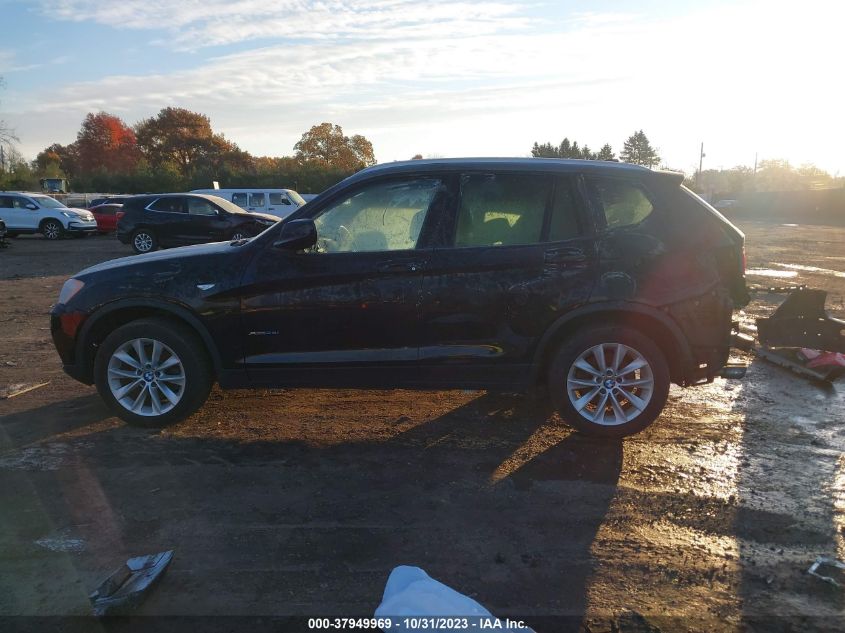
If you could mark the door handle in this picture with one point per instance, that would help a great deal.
(400, 267)
(568, 255)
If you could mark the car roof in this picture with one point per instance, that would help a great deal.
(514, 164)
(238, 190)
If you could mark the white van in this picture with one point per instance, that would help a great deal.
(278, 202)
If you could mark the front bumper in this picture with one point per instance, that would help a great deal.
(81, 227)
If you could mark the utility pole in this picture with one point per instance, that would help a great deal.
(700, 163)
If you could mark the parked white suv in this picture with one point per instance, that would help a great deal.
(37, 213)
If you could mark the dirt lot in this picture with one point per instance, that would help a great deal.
(284, 503)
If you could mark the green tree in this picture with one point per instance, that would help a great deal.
(326, 145)
(546, 150)
(638, 150)
(606, 153)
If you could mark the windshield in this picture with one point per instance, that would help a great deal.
(48, 203)
(295, 197)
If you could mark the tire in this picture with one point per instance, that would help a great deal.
(52, 229)
(143, 241)
(157, 397)
(618, 407)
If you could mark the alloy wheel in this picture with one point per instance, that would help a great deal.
(143, 242)
(146, 377)
(52, 230)
(610, 384)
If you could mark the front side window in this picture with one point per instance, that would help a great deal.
(256, 200)
(239, 199)
(198, 206)
(385, 216)
(623, 202)
(168, 205)
(502, 209)
(46, 202)
(20, 203)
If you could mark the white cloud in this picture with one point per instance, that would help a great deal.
(473, 78)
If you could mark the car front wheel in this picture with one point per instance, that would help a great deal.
(153, 372)
(609, 381)
(144, 241)
(52, 229)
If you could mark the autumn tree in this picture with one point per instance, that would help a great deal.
(638, 150)
(177, 136)
(105, 142)
(326, 145)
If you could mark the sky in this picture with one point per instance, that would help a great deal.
(442, 78)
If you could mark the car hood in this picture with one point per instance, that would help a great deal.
(171, 254)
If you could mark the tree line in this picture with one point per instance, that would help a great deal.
(636, 149)
(178, 150)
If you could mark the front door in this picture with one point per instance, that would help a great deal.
(344, 311)
(518, 254)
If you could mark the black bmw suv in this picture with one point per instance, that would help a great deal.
(601, 282)
(164, 220)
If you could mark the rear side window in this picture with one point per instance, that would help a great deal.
(623, 202)
(502, 209)
(239, 199)
(20, 203)
(256, 200)
(168, 205)
(5, 202)
(278, 198)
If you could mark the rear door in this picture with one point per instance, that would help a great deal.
(517, 254)
(256, 202)
(169, 219)
(9, 213)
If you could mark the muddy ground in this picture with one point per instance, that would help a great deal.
(281, 503)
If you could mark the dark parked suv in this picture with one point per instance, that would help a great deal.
(601, 282)
(163, 220)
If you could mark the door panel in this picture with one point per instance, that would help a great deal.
(485, 307)
(349, 305)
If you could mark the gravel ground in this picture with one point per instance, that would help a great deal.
(300, 502)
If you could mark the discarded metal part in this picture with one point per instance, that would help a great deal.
(734, 370)
(790, 360)
(801, 321)
(20, 388)
(816, 358)
(126, 586)
(830, 562)
(742, 341)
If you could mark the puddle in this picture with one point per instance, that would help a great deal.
(768, 272)
(812, 269)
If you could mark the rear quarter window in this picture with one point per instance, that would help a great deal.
(620, 202)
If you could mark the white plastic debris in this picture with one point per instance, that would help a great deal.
(414, 601)
(826, 561)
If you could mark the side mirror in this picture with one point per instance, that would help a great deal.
(32, 207)
(297, 234)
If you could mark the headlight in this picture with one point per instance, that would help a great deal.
(69, 290)
(68, 214)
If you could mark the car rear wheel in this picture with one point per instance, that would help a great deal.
(52, 229)
(144, 241)
(153, 372)
(609, 381)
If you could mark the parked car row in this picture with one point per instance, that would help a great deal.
(154, 220)
(601, 282)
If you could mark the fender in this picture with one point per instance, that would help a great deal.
(168, 307)
(684, 362)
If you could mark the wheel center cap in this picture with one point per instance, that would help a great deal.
(609, 383)
(148, 376)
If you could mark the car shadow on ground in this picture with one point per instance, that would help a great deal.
(478, 497)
